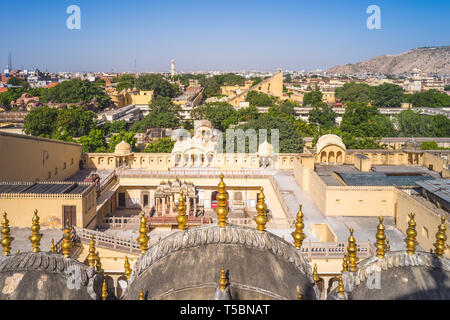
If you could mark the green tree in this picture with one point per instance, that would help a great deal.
(77, 91)
(353, 92)
(11, 95)
(76, 121)
(259, 99)
(163, 114)
(157, 83)
(123, 136)
(41, 121)
(322, 115)
(114, 127)
(124, 85)
(94, 142)
(362, 120)
(429, 99)
(163, 145)
(221, 114)
(413, 124)
(441, 126)
(312, 98)
(18, 82)
(291, 140)
(387, 96)
(447, 88)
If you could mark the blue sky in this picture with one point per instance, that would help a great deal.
(214, 35)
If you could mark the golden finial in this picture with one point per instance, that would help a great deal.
(341, 288)
(67, 243)
(315, 275)
(222, 203)
(143, 238)
(159, 238)
(182, 219)
(6, 236)
(441, 238)
(98, 263)
(104, 290)
(345, 264)
(411, 235)
(300, 296)
(52, 247)
(223, 282)
(351, 250)
(261, 207)
(127, 268)
(92, 257)
(381, 238)
(141, 295)
(35, 237)
(388, 246)
(18, 251)
(298, 234)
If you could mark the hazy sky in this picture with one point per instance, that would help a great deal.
(214, 35)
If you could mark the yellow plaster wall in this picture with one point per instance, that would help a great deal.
(26, 158)
(426, 219)
(20, 210)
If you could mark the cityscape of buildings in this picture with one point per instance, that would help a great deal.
(214, 185)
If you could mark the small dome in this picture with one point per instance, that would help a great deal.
(329, 140)
(399, 276)
(47, 276)
(265, 149)
(123, 148)
(260, 266)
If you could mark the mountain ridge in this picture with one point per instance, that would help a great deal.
(435, 60)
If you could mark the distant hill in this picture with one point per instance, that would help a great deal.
(428, 60)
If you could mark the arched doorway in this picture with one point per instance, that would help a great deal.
(339, 157)
(331, 158)
(323, 157)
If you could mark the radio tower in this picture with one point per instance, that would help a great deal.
(9, 62)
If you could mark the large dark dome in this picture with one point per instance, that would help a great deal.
(420, 276)
(186, 266)
(47, 276)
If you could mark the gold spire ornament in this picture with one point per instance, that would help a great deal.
(98, 263)
(411, 234)
(127, 268)
(182, 218)
(381, 238)
(223, 282)
(35, 237)
(300, 296)
(261, 207)
(6, 236)
(52, 247)
(104, 290)
(345, 264)
(388, 246)
(222, 204)
(141, 295)
(92, 256)
(143, 238)
(352, 250)
(66, 246)
(298, 234)
(341, 288)
(441, 238)
(315, 275)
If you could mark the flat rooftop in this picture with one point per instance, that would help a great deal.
(399, 176)
(440, 188)
(43, 188)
